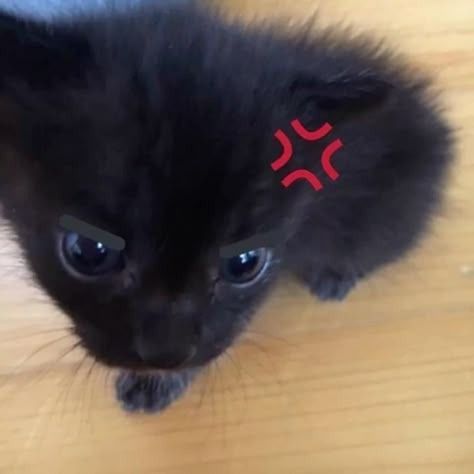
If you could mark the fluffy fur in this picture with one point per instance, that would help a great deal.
(157, 124)
(48, 9)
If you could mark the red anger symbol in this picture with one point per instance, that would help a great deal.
(305, 174)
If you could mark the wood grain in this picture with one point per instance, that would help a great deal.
(382, 383)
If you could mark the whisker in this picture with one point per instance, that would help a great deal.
(242, 385)
(48, 366)
(65, 384)
(88, 391)
(215, 368)
(274, 371)
(228, 354)
(71, 380)
(82, 392)
(71, 349)
(38, 374)
(43, 347)
(108, 373)
(205, 385)
(34, 334)
(239, 368)
(17, 369)
(271, 337)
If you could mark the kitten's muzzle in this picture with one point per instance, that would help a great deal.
(165, 357)
(163, 341)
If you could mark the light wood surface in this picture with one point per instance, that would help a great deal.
(382, 383)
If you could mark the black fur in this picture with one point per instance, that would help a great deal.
(157, 125)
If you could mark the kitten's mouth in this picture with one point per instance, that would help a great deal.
(151, 371)
(141, 368)
(164, 363)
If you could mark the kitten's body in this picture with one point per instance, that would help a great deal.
(158, 125)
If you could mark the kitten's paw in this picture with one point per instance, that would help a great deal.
(329, 284)
(151, 393)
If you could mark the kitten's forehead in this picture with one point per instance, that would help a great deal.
(161, 154)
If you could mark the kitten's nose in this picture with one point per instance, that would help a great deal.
(166, 342)
(166, 357)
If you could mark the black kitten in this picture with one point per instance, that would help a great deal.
(158, 125)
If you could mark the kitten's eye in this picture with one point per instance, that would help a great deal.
(246, 267)
(88, 257)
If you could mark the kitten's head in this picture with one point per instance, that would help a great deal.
(157, 127)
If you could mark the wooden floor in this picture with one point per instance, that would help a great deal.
(381, 384)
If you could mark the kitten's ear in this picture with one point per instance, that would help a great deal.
(39, 54)
(341, 97)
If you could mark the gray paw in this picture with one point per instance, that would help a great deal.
(329, 284)
(151, 393)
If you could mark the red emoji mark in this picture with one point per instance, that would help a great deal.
(307, 134)
(287, 151)
(327, 156)
(304, 174)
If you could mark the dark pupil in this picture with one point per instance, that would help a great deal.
(244, 264)
(86, 252)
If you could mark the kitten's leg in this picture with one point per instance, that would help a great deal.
(151, 393)
(328, 283)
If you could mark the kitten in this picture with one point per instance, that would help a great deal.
(158, 125)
